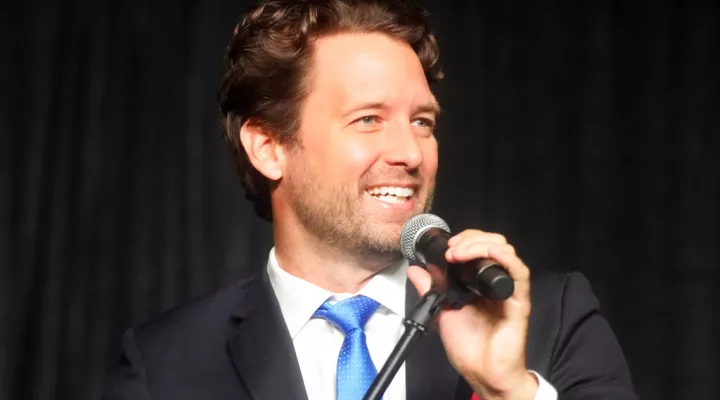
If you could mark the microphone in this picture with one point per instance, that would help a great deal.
(424, 240)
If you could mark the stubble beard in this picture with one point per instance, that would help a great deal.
(335, 216)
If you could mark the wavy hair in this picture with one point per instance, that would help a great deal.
(270, 54)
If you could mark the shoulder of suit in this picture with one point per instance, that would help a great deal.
(559, 301)
(210, 312)
(553, 290)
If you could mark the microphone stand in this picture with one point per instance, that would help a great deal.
(416, 323)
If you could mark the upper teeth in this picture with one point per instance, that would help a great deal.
(395, 191)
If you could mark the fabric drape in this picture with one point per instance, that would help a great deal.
(586, 132)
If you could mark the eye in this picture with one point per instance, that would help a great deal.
(424, 123)
(367, 120)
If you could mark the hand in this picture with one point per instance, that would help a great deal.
(485, 340)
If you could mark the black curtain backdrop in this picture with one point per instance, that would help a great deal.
(586, 132)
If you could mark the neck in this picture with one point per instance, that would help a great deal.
(334, 269)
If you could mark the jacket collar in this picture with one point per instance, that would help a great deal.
(264, 357)
(261, 349)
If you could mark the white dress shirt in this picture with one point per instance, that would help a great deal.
(317, 343)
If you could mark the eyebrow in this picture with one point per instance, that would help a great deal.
(427, 107)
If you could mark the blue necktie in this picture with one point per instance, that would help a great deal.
(355, 369)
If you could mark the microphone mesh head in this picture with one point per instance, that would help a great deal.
(412, 230)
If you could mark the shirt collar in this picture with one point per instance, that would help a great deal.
(299, 299)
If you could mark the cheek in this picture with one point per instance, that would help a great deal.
(362, 152)
(429, 150)
(355, 154)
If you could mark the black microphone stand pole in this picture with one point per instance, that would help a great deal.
(416, 323)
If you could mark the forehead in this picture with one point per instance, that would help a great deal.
(367, 67)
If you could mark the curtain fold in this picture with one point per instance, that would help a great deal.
(587, 133)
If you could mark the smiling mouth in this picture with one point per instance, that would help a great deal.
(391, 194)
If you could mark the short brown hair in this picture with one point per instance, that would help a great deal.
(270, 54)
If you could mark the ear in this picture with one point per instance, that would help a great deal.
(264, 151)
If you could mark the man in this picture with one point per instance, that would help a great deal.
(331, 118)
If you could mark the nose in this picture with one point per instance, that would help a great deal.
(403, 147)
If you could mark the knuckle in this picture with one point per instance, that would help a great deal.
(524, 272)
(526, 309)
(481, 247)
(500, 238)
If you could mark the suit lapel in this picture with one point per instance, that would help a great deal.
(263, 354)
(262, 351)
(429, 374)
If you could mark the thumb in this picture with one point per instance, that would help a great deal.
(420, 278)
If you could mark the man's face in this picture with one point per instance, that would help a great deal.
(367, 157)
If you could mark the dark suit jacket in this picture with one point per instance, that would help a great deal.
(234, 345)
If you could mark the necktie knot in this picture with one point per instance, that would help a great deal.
(350, 314)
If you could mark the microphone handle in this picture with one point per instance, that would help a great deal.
(483, 277)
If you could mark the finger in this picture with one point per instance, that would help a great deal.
(473, 250)
(490, 238)
(457, 238)
(420, 278)
(503, 255)
(519, 272)
(476, 235)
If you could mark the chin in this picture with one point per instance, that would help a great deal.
(388, 236)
